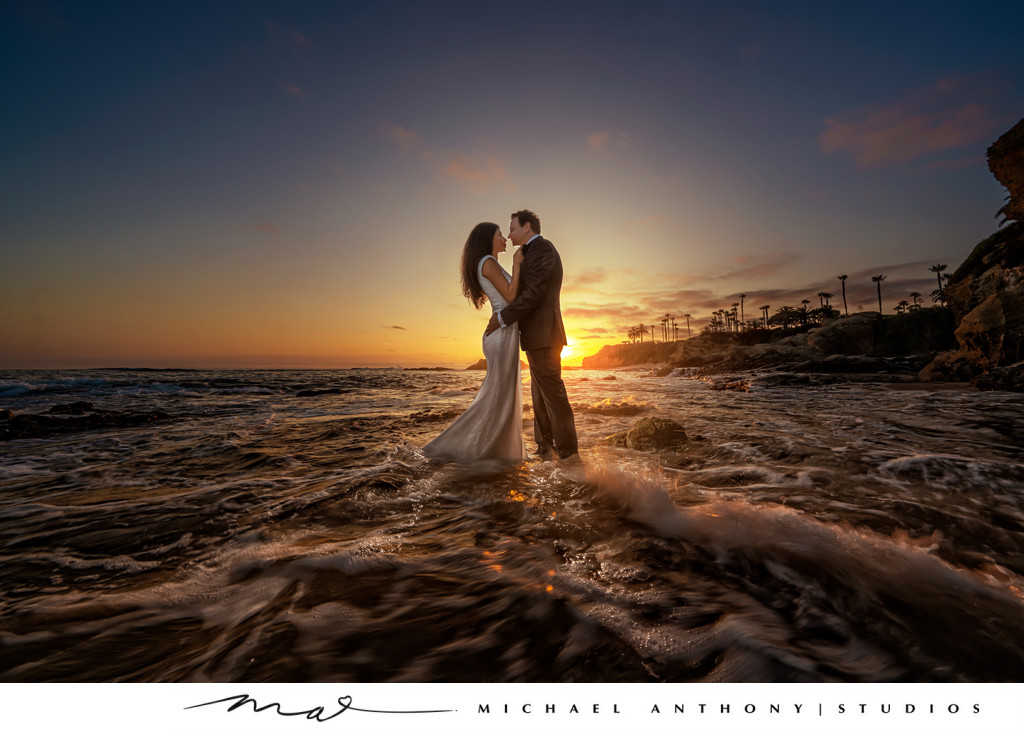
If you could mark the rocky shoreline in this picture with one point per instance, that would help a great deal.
(69, 418)
(858, 343)
(976, 337)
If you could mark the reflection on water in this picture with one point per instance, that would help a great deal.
(282, 526)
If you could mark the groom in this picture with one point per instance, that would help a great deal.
(541, 335)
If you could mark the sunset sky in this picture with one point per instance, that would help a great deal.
(269, 184)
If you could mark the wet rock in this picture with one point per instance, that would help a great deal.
(608, 407)
(651, 433)
(986, 295)
(6, 414)
(733, 385)
(1009, 378)
(75, 408)
(855, 334)
(80, 416)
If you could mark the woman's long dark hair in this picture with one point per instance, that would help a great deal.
(479, 245)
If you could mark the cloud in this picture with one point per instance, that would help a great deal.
(266, 227)
(474, 174)
(599, 141)
(602, 142)
(595, 279)
(950, 114)
(288, 37)
(751, 267)
(406, 138)
(397, 328)
(956, 164)
(755, 266)
(613, 311)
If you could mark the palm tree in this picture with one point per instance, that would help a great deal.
(842, 279)
(877, 279)
(742, 296)
(821, 299)
(826, 309)
(937, 269)
(785, 316)
(675, 333)
(901, 307)
(687, 317)
(735, 322)
(917, 300)
(765, 309)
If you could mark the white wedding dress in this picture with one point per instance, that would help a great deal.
(492, 427)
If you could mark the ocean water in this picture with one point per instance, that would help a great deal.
(282, 526)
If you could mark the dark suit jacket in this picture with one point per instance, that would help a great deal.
(537, 309)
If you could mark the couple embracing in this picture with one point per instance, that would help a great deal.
(524, 309)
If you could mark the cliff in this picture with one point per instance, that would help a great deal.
(619, 355)
(986, 293)
(1006, 161)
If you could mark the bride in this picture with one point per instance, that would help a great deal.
(492, 427)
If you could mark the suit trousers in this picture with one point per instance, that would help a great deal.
(553, 425)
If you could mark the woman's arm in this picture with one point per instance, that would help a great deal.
(493, 273)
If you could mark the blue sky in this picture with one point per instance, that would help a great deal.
(281, 184)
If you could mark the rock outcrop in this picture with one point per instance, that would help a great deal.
(620, 355)
(482, 366)
(1006, 161)
(651, 433)
(70, 418)
(915, 336)
(858, 343)
(986, 293)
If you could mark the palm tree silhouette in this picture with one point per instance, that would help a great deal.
(917, 300)
(937, 269)
(842, 279)
(687, 317)
(901, 307)
(877, 279)
(735, 322)
(821, 299)
(765, 309)
(675, 333)
(742, 317)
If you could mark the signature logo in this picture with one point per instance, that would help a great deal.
(318, 713)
